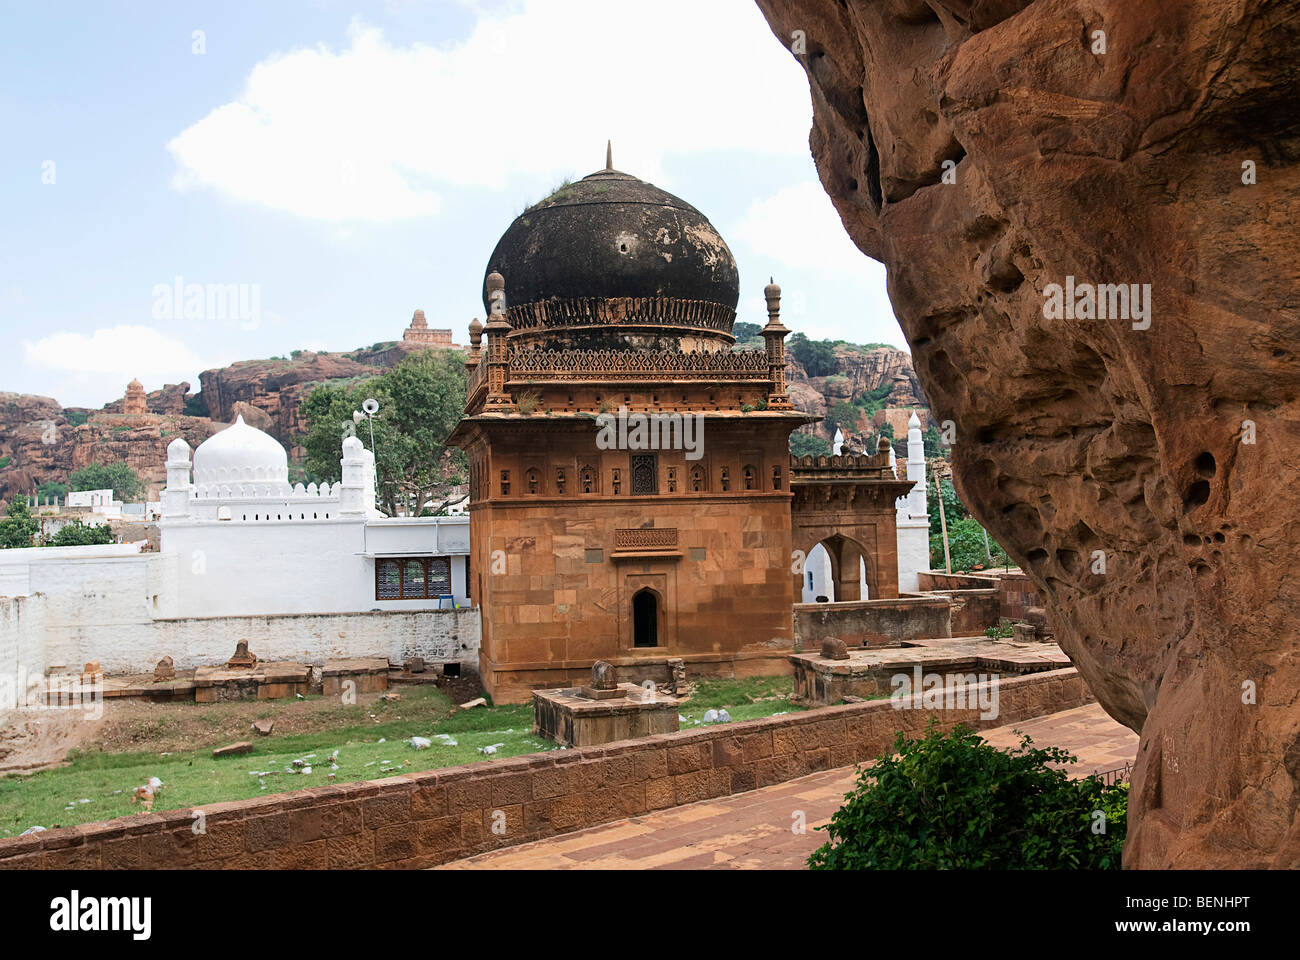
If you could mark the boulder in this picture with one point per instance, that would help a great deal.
(833, 648)
(165, 670)
(998, 155)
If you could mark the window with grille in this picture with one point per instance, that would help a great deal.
(645, 473)
(412, 578)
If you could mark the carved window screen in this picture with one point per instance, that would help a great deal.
(412, 578)
(645, 473)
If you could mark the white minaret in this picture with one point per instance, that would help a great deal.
(357, 492)
(177, 493)
(916, 500)
(913, 516)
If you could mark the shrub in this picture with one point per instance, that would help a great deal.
(953, 802)
(965, 546)
(120, 478)
(809, 444)
(78, 534)
(1001, 630)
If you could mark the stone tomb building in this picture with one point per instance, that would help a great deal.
(630, 476)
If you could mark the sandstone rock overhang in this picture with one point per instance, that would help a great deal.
(1141, 471)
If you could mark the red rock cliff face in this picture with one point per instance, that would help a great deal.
(1169, 450)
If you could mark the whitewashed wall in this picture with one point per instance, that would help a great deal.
(913, 553)
(309, 596)
(228, 569)
(22, 647)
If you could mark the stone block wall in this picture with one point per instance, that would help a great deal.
(424, 819)
(876, 623)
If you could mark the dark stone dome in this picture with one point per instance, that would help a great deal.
(611, 235)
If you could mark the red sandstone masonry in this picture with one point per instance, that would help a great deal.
(424, 819)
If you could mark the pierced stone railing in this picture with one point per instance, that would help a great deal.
(744, 365)
(666, 311)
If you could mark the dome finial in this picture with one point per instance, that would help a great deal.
(609, 154)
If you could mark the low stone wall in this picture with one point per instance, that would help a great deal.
(48, 635)
(424, 819)
(874, 623)
(938, 580)
(984, 600)
(435, 635)
(1017, 595)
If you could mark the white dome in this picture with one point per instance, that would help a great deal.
(240, 453)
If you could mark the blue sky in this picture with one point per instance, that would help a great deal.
(344, 163)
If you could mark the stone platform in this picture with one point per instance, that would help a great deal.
(369, 674)
(625, 712)
(266, 681)
(869, 672)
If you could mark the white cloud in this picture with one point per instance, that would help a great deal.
(378, 131)
(798, 226)
(82, 369)
(830, 288)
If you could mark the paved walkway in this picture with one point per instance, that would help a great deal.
(754, 829)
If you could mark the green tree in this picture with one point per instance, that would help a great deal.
(954, 802)
(78, 534)
(121, 479)
(19, 526)
(934, 445)
(966, 547)
(953, 508)
(51, 490)
(809, 444)
(420, 402)
(843, 415)
(817, 356)
(873, 400)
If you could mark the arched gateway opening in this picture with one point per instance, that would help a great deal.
(645, 619)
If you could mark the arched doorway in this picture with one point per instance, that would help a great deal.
(645, 619)
(837, 568)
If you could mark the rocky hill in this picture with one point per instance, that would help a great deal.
(42, 441)
(860, 373)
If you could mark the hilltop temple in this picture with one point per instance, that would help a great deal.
(632, 494)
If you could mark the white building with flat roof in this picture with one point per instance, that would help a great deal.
(302, 572)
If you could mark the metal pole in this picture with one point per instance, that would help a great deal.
(943, 522)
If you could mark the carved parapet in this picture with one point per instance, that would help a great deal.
(580, 311)
(744, 365)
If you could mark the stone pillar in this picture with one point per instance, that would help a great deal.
(177, 493)
(473, 355)
(357, 490)
(774, 333)
(498, 352)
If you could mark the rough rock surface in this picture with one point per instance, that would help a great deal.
(858, 371)
(42, 441)
(1084, 435)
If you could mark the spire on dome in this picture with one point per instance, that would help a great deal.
(609, 154)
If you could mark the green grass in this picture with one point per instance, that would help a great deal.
(193, 778)
(745, 699)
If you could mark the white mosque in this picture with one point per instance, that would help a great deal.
(249, 542)
(303, 573)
